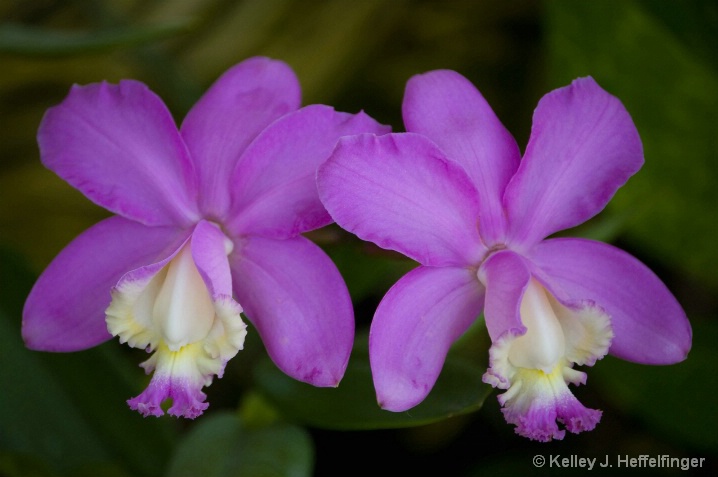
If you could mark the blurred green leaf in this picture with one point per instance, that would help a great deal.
(352, 405)
(68, 409)
(644, 53)
(104, 469)
(255, 411)
(222, 445)
(691, 22)
(35, 41)
(23, 465)
(366, 268)
(669, 399)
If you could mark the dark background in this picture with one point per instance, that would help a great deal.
(65, 414)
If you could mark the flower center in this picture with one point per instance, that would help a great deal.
(544, 343)
(183, 311)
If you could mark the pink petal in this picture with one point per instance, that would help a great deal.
(649, 324)
(447, 108)
(65, 310)
(274, 185)
(400, 192)
(541, 401)
(505, 275)
(237, 107)
(583, 148)
(119, 145)
(416, 323)
(187, 397)
(295, 297)
(209, 251)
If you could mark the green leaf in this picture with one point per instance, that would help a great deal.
(367, 268)
(644, 53)
(33, 41)
(222, 445)
(352, 405)
(68, 409)
(671, 399)
(23, 465)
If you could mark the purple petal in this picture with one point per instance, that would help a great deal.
(416, 323)
(274, 186)
(237, 107)
(400, 192)
(583, 147)
(506, 276)
(188, 400)
(295, 297)
(65, 310)
(649, 324)
(538, 401)
(119, 145)
(447, 108)
(209, 251)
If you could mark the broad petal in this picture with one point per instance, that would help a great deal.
(274, 186)
(65, 310)
(119, 145)
(237, 107)
(583, 148)
(295, 297)
(416, 323)
(400, 192)
(649, 324)
(447, 108)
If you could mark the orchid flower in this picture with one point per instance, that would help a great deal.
(207, 225)
(454, 194)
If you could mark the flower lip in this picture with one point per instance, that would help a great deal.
(537, 338)
(543, 343)
(537, 397)
(183, 311)
(170, 309)
(536, 402)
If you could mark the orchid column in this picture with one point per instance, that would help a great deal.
(454, 194)
(207, 226)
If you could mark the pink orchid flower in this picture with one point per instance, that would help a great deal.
(207, 225)
(454, 194)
